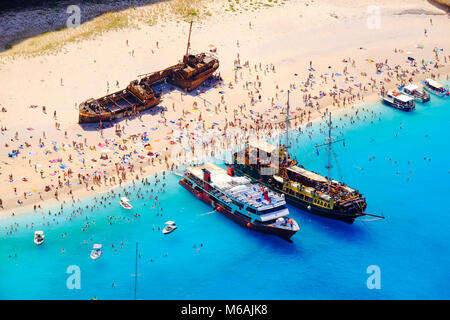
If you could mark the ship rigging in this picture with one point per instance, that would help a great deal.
(305, 189)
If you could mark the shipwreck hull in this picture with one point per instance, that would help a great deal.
(86, 117)
(194, 82)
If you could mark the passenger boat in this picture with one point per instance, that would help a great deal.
(124, 202)
(307, 190)
(236, 197)
(170, 227)
(413, 91)
(39, 237)
(398, 100)
(435, 87)
(96, 251)
(138, 96)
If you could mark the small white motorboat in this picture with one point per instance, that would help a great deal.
(39, 237)
(436, 88)
(125, 204)
(96, 251)
(170, 226)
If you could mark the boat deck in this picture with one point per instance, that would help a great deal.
(240, 189)
(116, 102)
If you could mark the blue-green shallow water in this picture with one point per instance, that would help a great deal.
(327, 259)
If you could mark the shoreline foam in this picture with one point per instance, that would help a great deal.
(255, 42)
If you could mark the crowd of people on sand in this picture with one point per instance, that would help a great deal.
(194, 136)
(117, 163)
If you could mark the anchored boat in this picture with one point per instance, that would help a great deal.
(124, 202)
(398, 100)
(170, 227)
(39, 237)
(236, 197)
(302, 188)
(96, 251)
(307, 190)
(413, 91)
(435, 87)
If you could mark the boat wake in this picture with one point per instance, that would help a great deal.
(206, 213)
(369, 219)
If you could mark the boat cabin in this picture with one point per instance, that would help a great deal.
(410, 89)
(400, 100)
(436, 86)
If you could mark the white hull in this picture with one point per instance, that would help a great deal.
(167, 231)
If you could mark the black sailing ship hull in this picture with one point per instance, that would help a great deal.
(313, 209)
(239, 219)
(347, 216)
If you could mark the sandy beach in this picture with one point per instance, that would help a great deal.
(326, 53)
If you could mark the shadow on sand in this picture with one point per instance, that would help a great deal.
(21, 20)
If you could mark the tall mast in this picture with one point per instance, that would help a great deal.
(287, 122)
(329, 152)
(329, 142)
(189, 39)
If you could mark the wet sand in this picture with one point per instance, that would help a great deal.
(325, 54)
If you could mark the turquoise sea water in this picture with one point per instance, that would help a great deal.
(400, 163)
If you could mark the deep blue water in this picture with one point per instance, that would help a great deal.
(400, 163)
